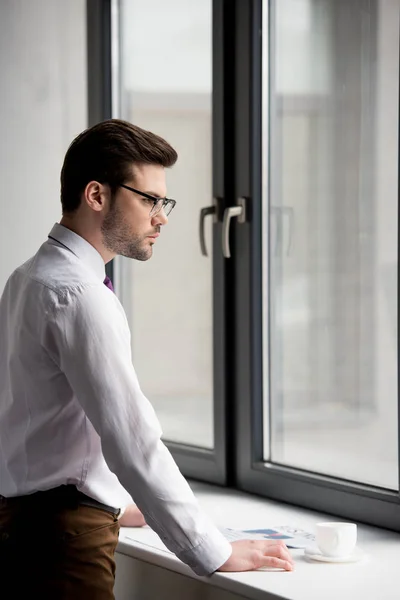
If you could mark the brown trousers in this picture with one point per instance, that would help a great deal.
(56, 548)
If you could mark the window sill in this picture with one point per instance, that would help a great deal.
(371, 578)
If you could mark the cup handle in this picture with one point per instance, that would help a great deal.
(337, 539)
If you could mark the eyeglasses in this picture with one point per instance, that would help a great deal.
(158, 203)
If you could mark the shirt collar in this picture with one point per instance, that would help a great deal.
(80, 247)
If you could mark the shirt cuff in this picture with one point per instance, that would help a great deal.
(210, 554)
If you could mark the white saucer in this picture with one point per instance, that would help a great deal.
(313, 553)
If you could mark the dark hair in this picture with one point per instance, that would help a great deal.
(105, 153)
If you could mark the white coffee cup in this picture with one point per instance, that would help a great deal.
(336, 539)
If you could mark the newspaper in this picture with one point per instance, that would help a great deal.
(292, 536)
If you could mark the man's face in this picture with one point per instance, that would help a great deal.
(128, 229)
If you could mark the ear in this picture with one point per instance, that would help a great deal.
(96, 195)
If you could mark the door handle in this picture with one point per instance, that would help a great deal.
(233, 211)
(207, 210)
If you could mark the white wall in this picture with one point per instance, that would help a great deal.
(42, 107)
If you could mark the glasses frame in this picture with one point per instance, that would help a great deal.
(162, 203)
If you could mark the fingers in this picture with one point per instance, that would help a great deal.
(276, 563)
(249, 555)
(276, 555)
(280, 550)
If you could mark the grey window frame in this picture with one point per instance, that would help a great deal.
(350, 500)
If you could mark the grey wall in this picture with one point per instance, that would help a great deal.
(138, 580)
(42, 107)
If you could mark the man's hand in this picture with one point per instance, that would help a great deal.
(248, 555)
(132, 517)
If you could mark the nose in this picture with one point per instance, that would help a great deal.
(160, 218)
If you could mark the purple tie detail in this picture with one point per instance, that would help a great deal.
(108, 283)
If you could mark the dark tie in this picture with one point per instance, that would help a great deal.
(108, 283)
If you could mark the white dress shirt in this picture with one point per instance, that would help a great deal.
(71, 407)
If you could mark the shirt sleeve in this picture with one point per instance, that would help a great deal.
(89, 338)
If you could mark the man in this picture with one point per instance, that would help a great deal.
(78, 439)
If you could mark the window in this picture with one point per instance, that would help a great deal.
(276, 355)
(172, 85)
(320, 258)
(166, 88)
(332, 219)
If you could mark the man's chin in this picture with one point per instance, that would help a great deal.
(142, 256)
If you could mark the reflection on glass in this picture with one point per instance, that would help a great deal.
(166, 88)
(333, 110)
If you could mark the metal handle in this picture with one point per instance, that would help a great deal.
(232, 211)
(208, 210)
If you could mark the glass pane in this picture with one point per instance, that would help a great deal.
(166, 88)
(332, 237)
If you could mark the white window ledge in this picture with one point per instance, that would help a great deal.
(146, 571)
